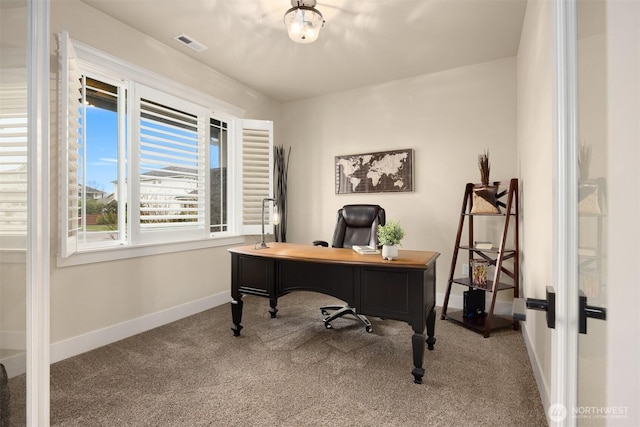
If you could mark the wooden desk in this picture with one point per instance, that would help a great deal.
(402, 289)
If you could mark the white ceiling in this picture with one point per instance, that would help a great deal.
(363, 42)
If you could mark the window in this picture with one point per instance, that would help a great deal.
(101, 148)
(147, 161)
(218, 135)
(13, 164)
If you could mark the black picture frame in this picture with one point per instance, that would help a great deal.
(378, 172)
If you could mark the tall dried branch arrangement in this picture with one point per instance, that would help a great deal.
(280, 175)
(485, 167)
(584, 160)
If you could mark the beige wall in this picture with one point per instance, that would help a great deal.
(623, 136)
(89, 297)
(535, 142)
(448, 118)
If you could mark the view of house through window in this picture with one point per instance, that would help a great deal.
(218, 174)
(98, 151)
(171, 167)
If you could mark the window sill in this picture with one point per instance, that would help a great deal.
(126, 252)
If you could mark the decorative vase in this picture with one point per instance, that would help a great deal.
(485, 199)
(479, 272)
(591, 196)
(389, 252)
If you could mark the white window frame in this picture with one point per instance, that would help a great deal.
(100, 65)
(122, 155)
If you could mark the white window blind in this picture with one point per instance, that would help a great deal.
(257, 176)
(13, 160)
(70, 108)
(171, 179)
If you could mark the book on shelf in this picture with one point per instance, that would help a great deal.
(483, 245)
(365, 250)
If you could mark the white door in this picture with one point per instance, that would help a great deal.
(593, 219)
(597, 375)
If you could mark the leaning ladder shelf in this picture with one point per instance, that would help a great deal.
(507, 200)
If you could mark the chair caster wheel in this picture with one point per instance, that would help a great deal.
(327, 325)
(369, 329)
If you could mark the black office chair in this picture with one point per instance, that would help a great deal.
(5, 398)
(355, 225)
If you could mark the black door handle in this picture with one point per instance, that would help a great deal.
(589, 311)
(548, 305)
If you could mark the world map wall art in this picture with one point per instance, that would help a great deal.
(381, 172)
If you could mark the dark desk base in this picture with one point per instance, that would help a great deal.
(387, 292)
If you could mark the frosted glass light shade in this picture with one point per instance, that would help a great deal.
(276, 215)
(303, 24)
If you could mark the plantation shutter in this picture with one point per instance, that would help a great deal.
(257, 178)
(171, 162)
(13, 163)
(70, 108)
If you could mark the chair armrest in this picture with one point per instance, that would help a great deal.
(320, 243)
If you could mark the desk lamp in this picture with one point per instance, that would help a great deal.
(276, 221)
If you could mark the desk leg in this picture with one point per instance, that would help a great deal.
(236, 315)
(431, 326)
(273, 302)
(418, 356)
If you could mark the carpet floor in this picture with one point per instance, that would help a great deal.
(291, 371)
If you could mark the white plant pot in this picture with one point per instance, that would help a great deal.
(389, 252)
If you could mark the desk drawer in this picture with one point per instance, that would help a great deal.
(255, 276)
(391, 294)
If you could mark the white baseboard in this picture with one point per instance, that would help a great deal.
(13, 345)
(543, 387)
(16, 365)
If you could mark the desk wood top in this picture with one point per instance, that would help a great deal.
(297, 252)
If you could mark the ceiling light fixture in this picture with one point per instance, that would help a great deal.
(303, 21)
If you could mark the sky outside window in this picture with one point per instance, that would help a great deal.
(101, 139)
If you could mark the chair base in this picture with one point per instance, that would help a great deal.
(341, 310)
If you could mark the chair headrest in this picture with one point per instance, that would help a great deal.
(360, 215)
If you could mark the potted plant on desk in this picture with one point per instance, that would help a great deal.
(389, 236)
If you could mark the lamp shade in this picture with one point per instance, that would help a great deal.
(303, 23)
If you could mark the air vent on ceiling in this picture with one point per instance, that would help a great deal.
(190, 42)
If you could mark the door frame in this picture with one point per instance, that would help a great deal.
(37, 300)
(565, 218)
